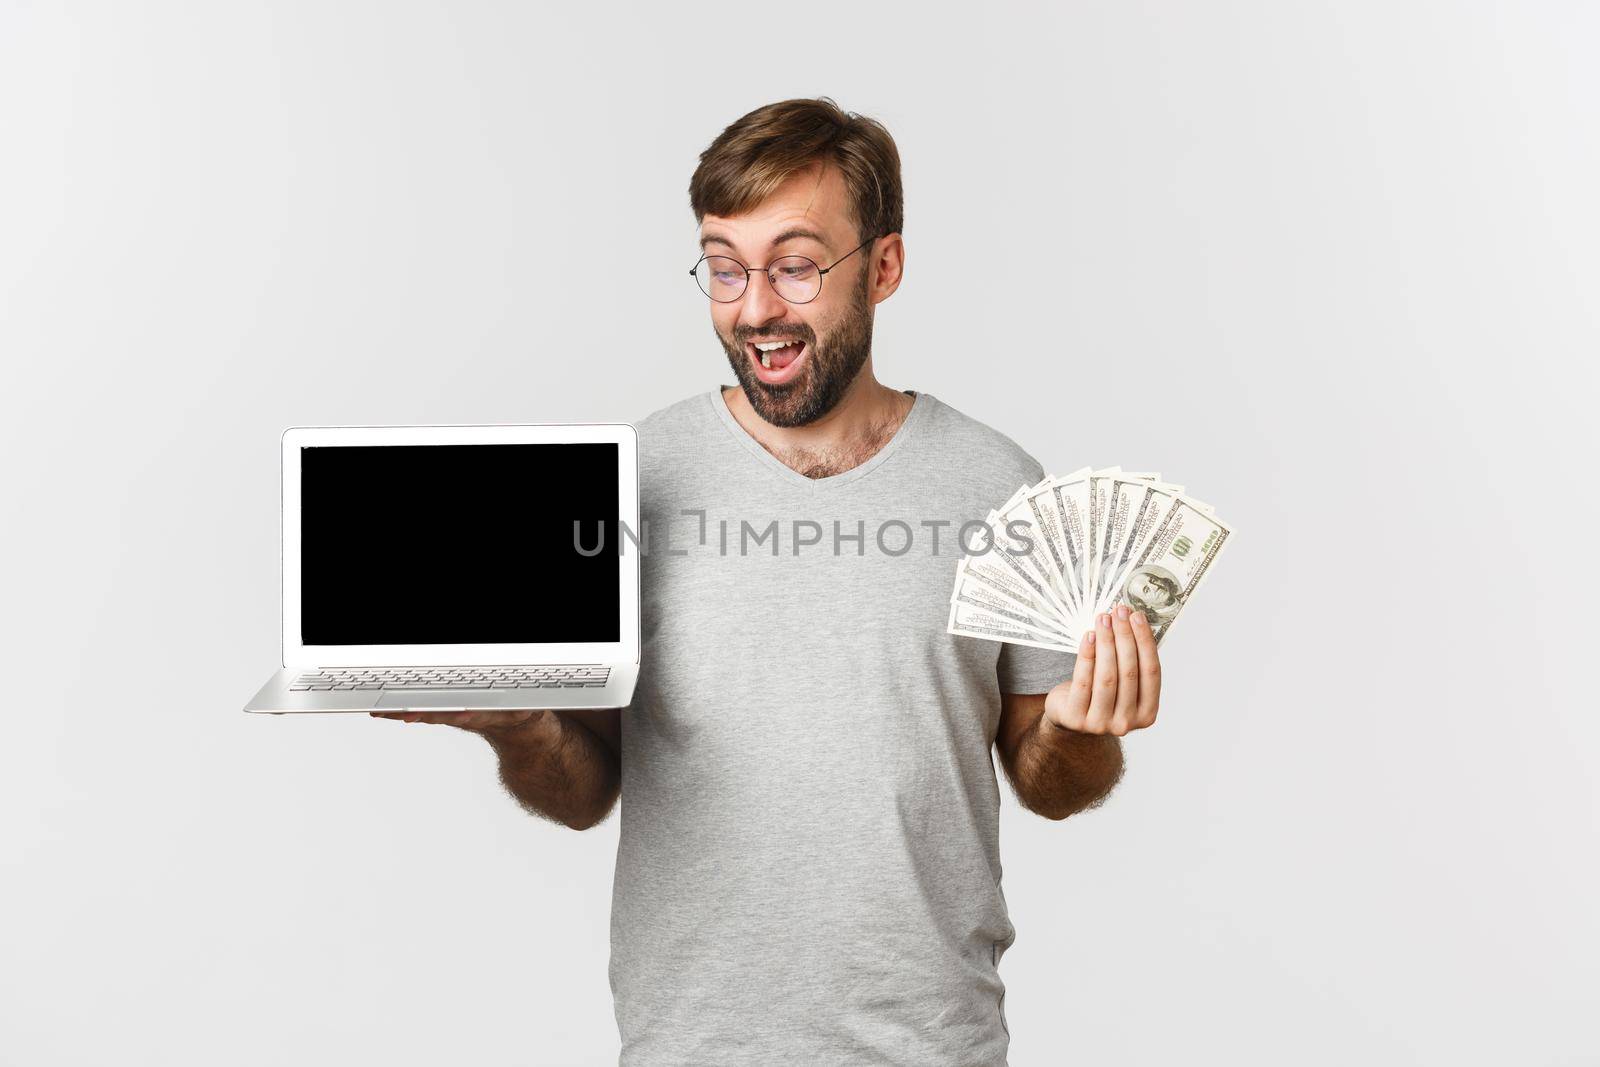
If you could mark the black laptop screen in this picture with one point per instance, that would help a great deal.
(459, 544)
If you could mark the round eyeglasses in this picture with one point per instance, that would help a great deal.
(795, 278)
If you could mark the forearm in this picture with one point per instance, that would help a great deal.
(1059, 772)
(558, 769)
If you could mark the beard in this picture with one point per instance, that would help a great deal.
(832, 363)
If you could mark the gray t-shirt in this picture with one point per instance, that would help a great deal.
(809, 862)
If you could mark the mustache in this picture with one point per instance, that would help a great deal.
(777, 335)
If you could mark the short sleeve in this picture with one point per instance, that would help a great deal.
(1025, 669)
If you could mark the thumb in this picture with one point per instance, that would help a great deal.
(1068, 703)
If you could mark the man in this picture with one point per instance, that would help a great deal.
(808, 868)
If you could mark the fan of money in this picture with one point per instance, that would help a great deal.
(1059, 553)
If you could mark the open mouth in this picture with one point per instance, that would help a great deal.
(777, 365)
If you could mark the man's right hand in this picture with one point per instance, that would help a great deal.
(565, 766)
(491, 724)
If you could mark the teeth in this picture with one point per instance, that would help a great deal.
(771, 346)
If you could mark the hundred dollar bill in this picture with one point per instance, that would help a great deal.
(970, 621)
(1071, 498)
(1060, 552)
(991, 584)
(1173, 562)
(1094, 516)
(1101, 513)
(1050, 516)
(1132, 512)
(979, 595)
(1001, 576)
(1003, 559)
(1019, 530)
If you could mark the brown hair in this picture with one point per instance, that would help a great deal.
(759, 152)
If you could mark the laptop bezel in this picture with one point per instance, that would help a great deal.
(296, 654)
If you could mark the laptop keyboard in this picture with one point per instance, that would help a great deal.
(566, 676)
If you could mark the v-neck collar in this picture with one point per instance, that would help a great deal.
(920, 404)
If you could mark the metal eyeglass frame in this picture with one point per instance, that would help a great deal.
(694, 272)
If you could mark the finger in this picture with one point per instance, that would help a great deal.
(478, 721)
(466, 720)
(1122, 717)
(1104, 701)
(1082, 688)
(398, 716)
(449, 718)
(1149, 669)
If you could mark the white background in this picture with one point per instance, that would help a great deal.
(1332, 265)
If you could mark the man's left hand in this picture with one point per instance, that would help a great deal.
(1115, 686)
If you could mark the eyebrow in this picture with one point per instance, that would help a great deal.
(791, 234)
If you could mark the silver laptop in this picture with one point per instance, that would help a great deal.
(432, 568)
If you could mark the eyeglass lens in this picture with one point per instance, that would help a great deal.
(796, 278)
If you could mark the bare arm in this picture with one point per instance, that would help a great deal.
(1063, 749)
(1055, 772)
(565, 766)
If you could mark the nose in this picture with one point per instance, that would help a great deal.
(759, 304)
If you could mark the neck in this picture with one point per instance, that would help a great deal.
(850, 434)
